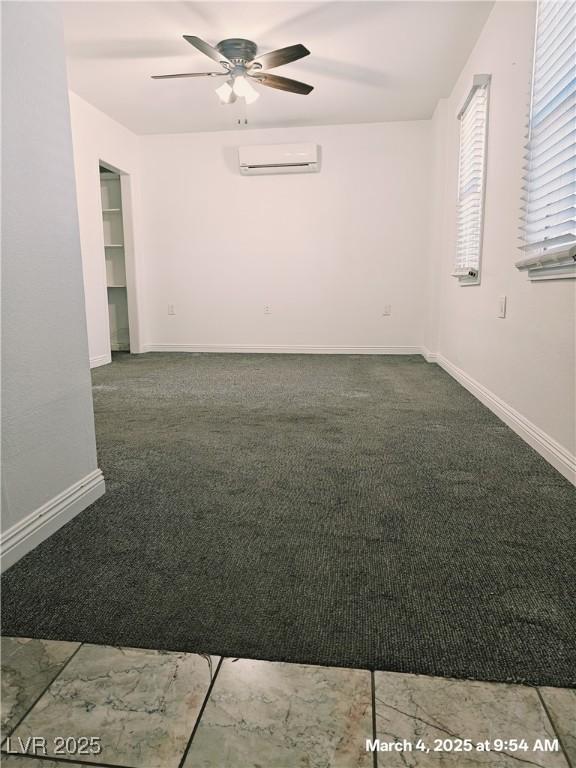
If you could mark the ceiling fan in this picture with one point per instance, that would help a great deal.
(242, 68)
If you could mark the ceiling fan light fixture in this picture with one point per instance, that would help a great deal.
(243, 88)
(225, 93)
(251, 98)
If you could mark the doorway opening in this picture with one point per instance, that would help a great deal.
(115, 258)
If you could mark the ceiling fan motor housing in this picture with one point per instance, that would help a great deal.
(237, 49)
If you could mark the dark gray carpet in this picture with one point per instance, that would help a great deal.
(341, 510)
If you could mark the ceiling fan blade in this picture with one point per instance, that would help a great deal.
(190, 74)
(281, 56)
(283, 83)
(206, 49)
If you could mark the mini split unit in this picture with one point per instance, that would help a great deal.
(279, 158)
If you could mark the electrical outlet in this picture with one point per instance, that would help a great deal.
(502, 306)
(387, 310)
(171, 310)
(267, 310)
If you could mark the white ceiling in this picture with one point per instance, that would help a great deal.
(370, 61)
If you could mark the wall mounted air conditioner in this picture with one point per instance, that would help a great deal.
(279, 158)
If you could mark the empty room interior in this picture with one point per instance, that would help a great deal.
(288, 377)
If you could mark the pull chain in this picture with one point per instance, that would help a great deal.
(243, 118)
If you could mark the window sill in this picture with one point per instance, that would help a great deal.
(467, 278)
(558, 266)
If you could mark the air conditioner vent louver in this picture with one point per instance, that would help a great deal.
(279, 158)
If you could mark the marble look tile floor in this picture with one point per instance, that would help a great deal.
(143, 705)
(152, 709)
(440, 713)
(272, 714)
(561, 706)
(28, 667)
(14, 761)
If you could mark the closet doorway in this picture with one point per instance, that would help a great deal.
(114, 229)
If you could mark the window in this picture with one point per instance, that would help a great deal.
(471, 181)
(549, 227)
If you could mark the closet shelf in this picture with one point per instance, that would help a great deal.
(113, 240)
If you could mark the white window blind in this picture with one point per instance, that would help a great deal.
(471, 181)
(549, 226)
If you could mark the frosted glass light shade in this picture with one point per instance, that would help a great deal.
(243, 88)
(225, 93)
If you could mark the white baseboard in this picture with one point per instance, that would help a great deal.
(100, 360)
(295, 349)
(22, 537)
(546, 446)
(430, 357)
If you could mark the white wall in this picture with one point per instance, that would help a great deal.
(97, 138)
(527, 359)
(49, 452)
(324, 251)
